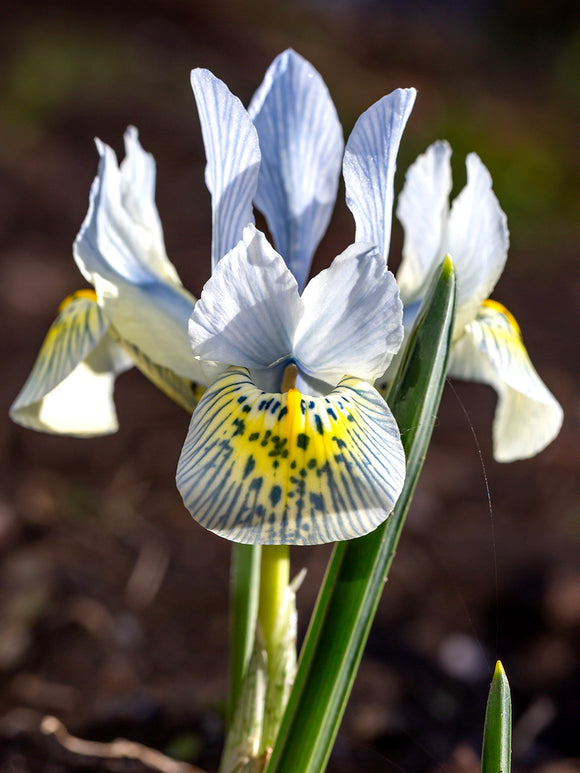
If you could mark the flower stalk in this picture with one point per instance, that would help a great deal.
(274, 580)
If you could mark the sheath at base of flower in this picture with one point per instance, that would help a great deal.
(292, 444)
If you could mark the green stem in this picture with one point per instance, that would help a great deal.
(244, 578)
(274, 579)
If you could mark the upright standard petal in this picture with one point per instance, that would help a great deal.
(137, 190)
(115, 251)
(301, 143)
(290, 469)
(491, 351)
(70, 388)
(369, 166)
(233, 160)
(478, 241)
(249, 308)
(352, 323)
(422, 209)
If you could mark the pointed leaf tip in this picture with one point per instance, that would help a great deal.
(447, 270)
(497, 733)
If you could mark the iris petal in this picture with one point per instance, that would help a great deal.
(233, 160)
(249, 308)
(491, 351)
(182, 391)
(369, 166)
(121, 234)
(137, 188)
(70, 388)
(301, 143)
(269, 468)
(422, 210)
(478, 241)
(117, 250)
(352, 319)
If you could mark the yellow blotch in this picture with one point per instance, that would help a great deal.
(294, 415)
(507, 314)
(88, 294)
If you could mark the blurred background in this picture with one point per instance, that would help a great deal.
(113, 602)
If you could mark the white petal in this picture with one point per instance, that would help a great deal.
(477, 241)
(423, 209)
(249, 308)
(369, 166)
(491, 350)
(301, 143)
(233, 160)
(116, 253)
(352, 323)
(70, 388)
(137, 188)
(153, 317)
(290, 469)
(121, 234)
(183, 391)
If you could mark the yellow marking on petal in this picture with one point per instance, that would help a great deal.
(293, 400)
(88, 294)
(70, 387)
(491, 304)
(492, 351)
(287, 468)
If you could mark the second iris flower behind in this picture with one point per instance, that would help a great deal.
(291, 443)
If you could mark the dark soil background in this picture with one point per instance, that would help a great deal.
(113, 603)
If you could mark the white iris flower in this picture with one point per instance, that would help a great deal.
(137, 313)
(487, 343)
(291, 443)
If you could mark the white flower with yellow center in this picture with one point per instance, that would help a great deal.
(291, 444)
(487, 342)
(138, 300)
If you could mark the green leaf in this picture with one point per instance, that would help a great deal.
(358, 569)
(497, 731)
(244, 597)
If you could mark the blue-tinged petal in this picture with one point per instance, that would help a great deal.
(117, 251)
(352, 323)
(477, 240)
(184, 392)
(302, 144)
(137, 189)
(249, 308)
(70, 388)
(122, 223)
(422, 209)
(287, 468)
(491, 351)
(233, 160)
(369, 166)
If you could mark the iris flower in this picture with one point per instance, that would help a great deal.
(291, 443)
(136, 314)
(487, 342)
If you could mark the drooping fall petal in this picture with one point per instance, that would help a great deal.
(287, 468)
(491, 350)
